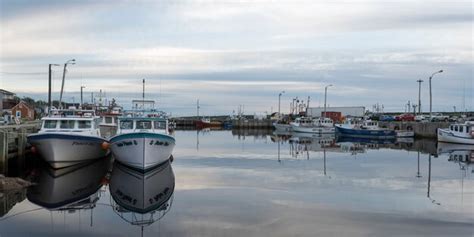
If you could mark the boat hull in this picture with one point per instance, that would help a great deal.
(444, 135)
(405, 133)
(142, 150)
(317, 130)
(282, 127)
(63, 150)
(366, 133)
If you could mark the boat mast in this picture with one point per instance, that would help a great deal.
(143, 95)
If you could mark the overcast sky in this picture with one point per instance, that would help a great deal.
(231, 53)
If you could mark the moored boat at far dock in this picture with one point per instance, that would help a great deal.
(458, 133)
(364, 129)
(313, 125)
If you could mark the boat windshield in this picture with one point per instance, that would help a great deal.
(159, 124)
(50, 123)
(126, 124)
(143, 124)
(84, 124)
(67, 124)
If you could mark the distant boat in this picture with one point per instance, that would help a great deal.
(207, 123)
(405, 133)
(313, 125)
(142, 141)
(282, 127)
(69, 137)
(458, 133)
(364, 129)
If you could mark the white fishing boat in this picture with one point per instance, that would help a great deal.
(458, 133)
(313, 125)
(142, 141)
(69, 137)
(282, 127)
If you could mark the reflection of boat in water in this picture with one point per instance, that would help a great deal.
(71, 188)
(365, 140)
(457, 152)
(142, 198)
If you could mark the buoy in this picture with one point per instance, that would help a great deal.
(105, 145)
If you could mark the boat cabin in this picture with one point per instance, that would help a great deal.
(142, 124)
(466, 129)
(71, 121)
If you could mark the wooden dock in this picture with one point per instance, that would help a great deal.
(13, 141)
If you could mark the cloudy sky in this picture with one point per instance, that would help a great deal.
(231, 53)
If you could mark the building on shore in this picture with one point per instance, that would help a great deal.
(348, 111)
(23, 111)
(7, 100)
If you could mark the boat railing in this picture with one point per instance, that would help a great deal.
(72, 113)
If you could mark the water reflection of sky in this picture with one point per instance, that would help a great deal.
(226, 186)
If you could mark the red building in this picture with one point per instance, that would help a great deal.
(335, 116)
(23, 111)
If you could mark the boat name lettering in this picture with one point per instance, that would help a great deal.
(82, 143)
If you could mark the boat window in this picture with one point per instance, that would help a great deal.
(126, 124)
(84, 124)
(461, 128)
(159, 124)
(67, 124)
(456, 128)
(108, 119)
(467, 129)
(143, 124)
(50, 123)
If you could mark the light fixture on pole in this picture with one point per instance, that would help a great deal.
(431, 103)
(325, 97)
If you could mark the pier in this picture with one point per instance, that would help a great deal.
(421, 129)
(13, 141)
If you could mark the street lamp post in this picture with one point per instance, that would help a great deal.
(72, 61)
(49, 87)
(325, 97)
(279, 102)
(431, 105)
(419, 95)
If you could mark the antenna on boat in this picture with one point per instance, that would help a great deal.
(143, 95)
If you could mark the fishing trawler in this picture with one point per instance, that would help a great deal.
(313, 125)
(364, 129)
(68, 137)
(143, 138)
(458, 133)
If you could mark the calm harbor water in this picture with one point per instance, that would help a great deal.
(255, 183)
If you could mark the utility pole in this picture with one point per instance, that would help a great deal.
(72, 61)
(82, 87)
(50, 105)
(325, 97)
(431, 105)
(419, 95)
